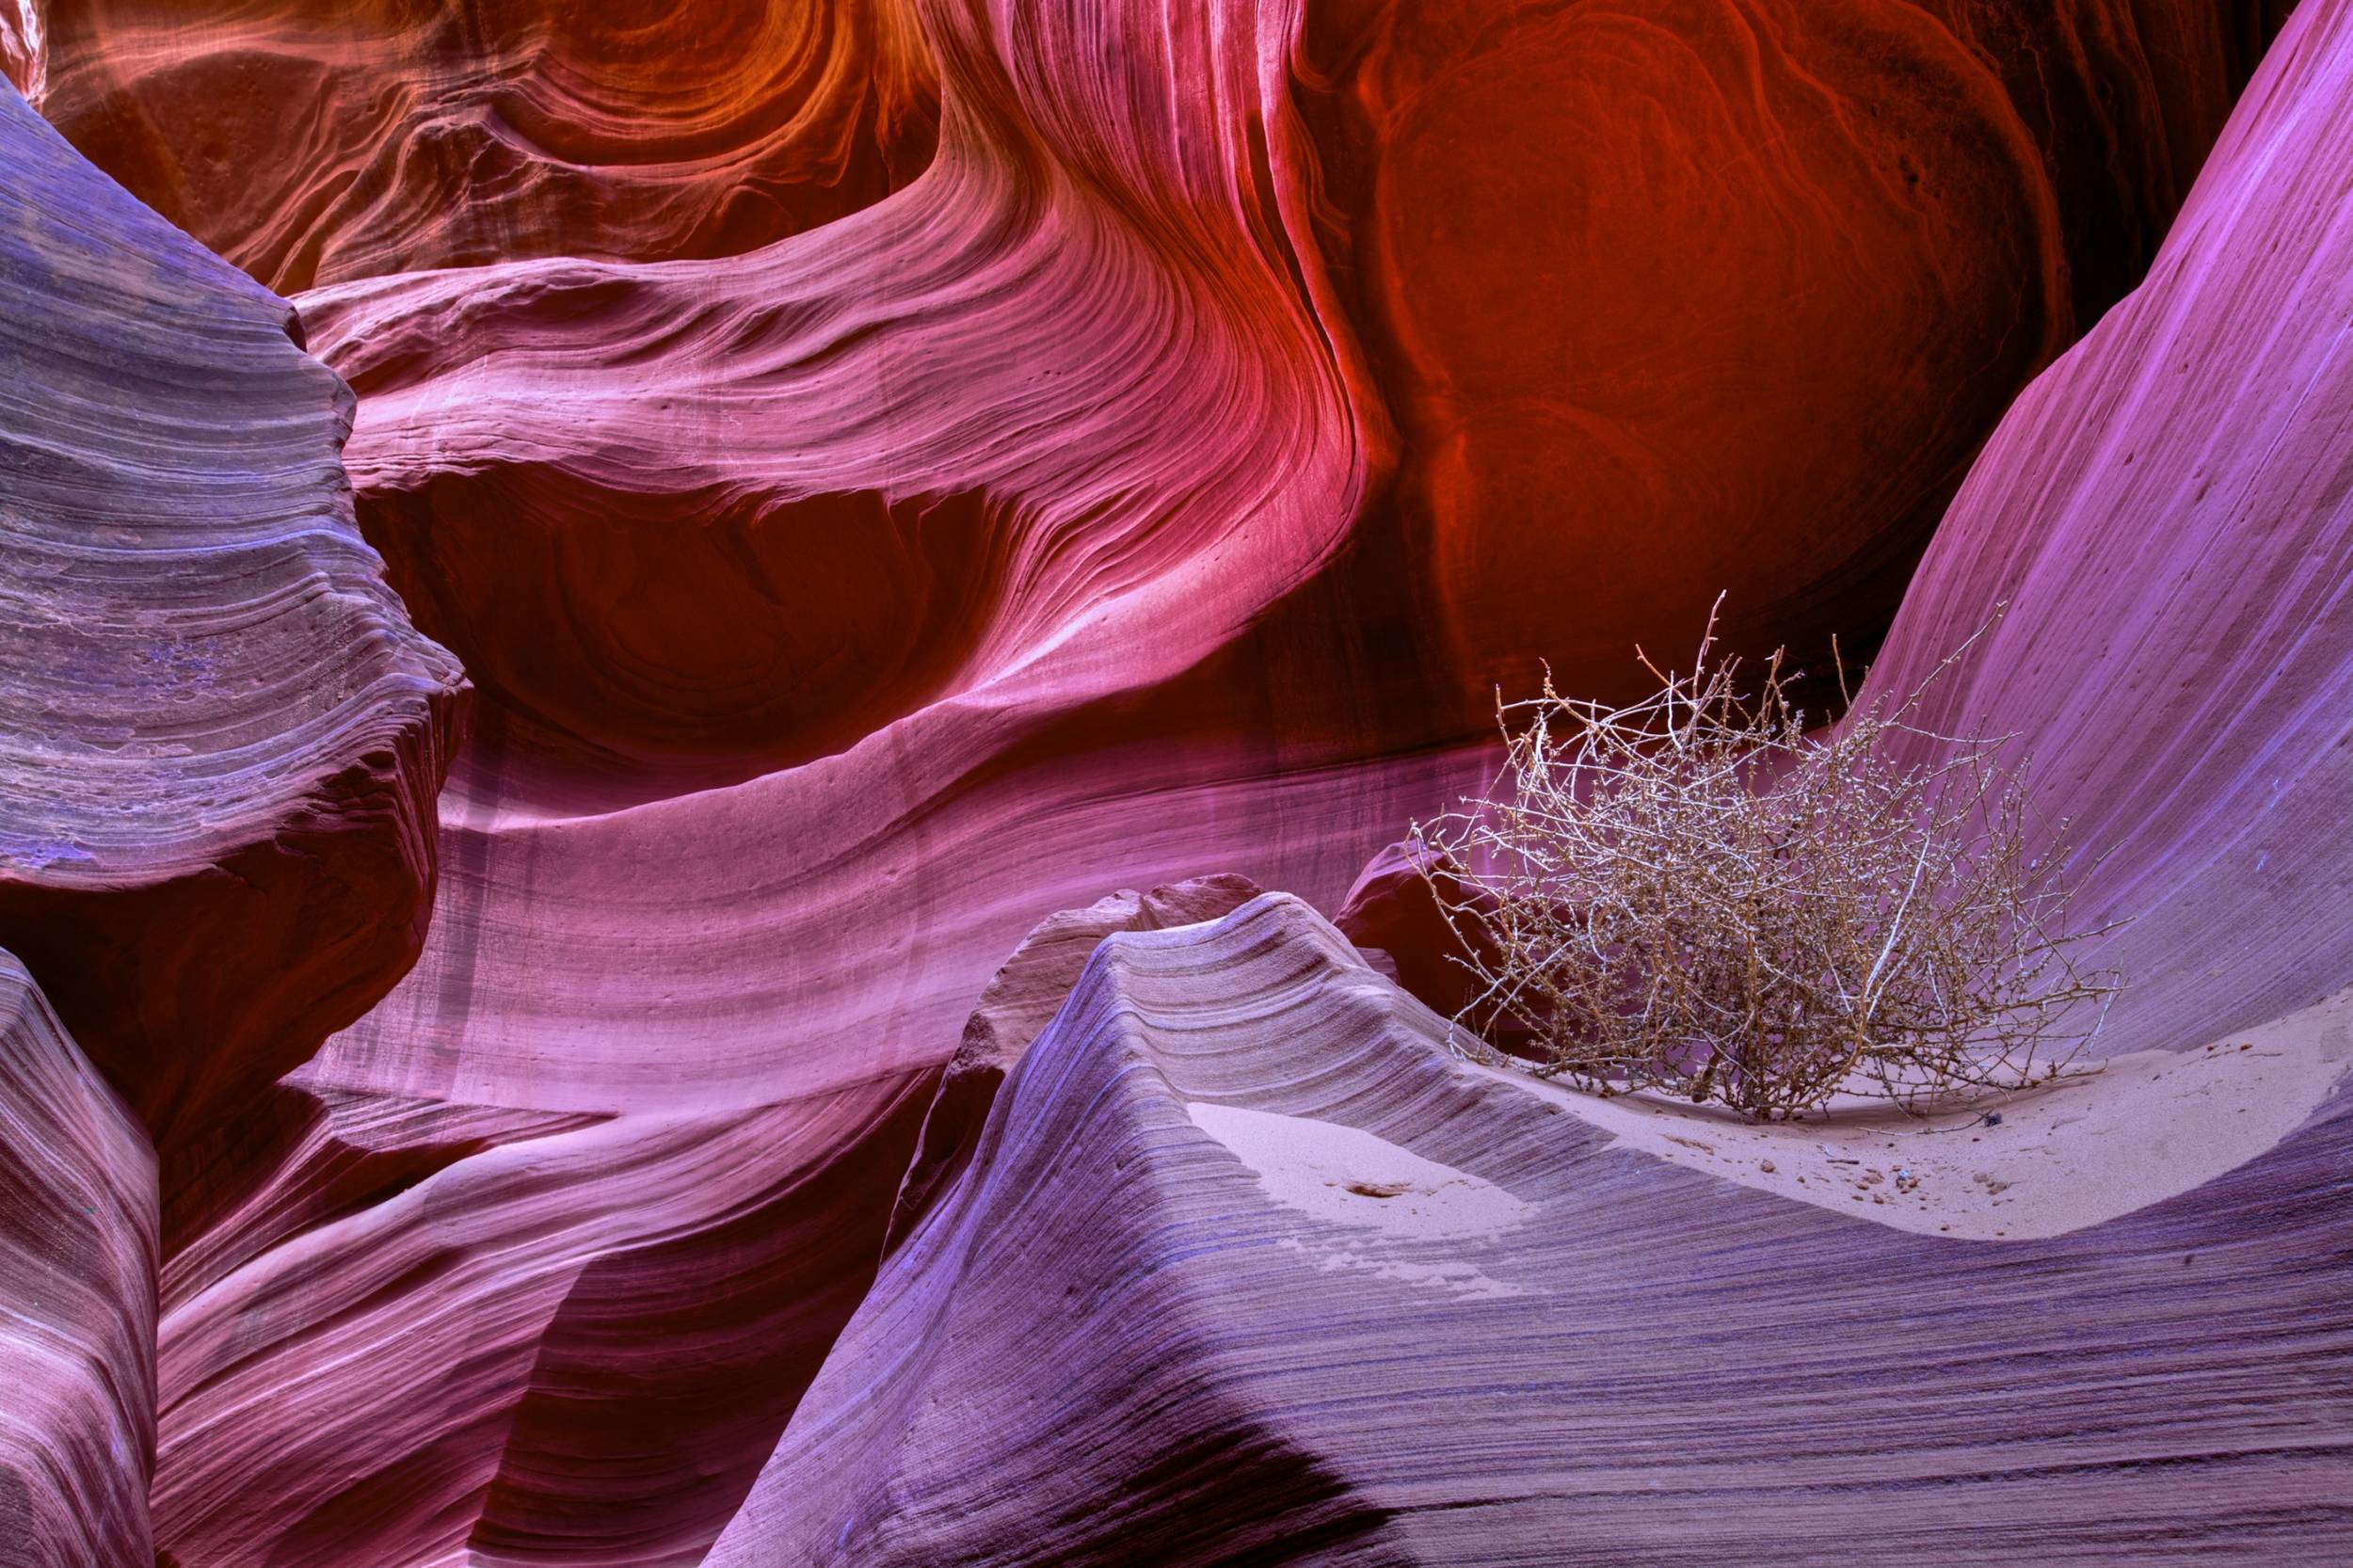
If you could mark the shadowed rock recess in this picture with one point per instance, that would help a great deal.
(220, 739)
(77, 1301)
(966, 525)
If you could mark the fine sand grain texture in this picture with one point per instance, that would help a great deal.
(1354, 1177)
(2090, 1147)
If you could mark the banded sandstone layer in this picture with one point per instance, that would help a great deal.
(1121, 482)
(221, 738)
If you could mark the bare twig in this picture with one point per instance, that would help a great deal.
(1691, 894)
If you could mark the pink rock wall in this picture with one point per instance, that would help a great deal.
(77, 1301)
(893, 476)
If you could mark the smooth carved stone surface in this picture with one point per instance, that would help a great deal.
(1671, 296)
(436, 1185)
(690, 523)
(316, 143)
(841, 607)
(2167, 515)
(220, 739)
(521, 1337)
(1247, 1268)
(1022, 998)
(77, 1301)
(613, 943)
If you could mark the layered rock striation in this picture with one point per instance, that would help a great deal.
(896, 474)
(2157, 545)
(78, 1218)
(1246, 1268)
(313, 144)
(220, 739)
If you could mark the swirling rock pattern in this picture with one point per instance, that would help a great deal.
(860, 570)
(1246, 1268)
(77, 1301)
(572, 1338)
(683, 907)
(1675, 297)
(220, 739)
(1531, 1344)
(2163, 524)
(311, 144)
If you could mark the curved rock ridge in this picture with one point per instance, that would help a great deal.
(1079, 404)
(77, 1301)
(1672, 298)
(530, 1107)
(220, 739)
(1063, 417)
(1022, 998)
(845, 605)
(314, 143)
(516, 1337)
(2167, 515)
(1157, 450)
(1247, 1267)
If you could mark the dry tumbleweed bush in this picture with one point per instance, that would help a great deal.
(1693, 895)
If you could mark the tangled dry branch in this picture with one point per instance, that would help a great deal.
(1693, 895)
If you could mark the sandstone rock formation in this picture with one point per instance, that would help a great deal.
(1312, 1291)
(314, 143)
(77, 1301)
(2164, 524)
(897, 472)
(1247, 1268)
(1668, 298)
(220, 739)
(1020, 1000)
(572, 1338)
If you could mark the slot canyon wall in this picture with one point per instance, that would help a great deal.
(521, 759)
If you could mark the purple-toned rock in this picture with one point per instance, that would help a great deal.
(219, 737)
(1022, 998)
(1246, 1268)
(2164, 523)
(77, 1301)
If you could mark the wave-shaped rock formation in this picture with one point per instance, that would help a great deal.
(77, 1301)
(1533, 1342)
(893, 473)
(1020, 1000)
(1667, 297)
(220, 739)
(2163, 527)
(316, 143)
(1246, 1268)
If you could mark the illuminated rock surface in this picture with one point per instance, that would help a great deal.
(1245, 1268)
(220, 739)
(77, 1301)
(895, 476)
(1312, 1291)
(312, 143)
(2168, 515)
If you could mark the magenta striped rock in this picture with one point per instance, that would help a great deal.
(77, 1301)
